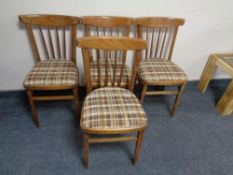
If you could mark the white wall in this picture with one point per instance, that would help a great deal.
(208, 29)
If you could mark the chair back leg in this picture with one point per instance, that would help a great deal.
(86, 149)
(33, 108)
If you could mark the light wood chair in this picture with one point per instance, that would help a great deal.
(110, 109)
(157, 68)
(53, 42)
(106, 26)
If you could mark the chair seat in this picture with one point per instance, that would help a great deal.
(95, 78)
(52, 73)
(112, 108)
(157, 69)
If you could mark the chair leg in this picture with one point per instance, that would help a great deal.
(143, 92)
(138, 146)
(76, 98)
(33, 108)
(86, 149)
(177, 100)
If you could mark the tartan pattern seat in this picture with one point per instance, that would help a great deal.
(94, 73)
(157, 69)
(52, 73)
(110, 60)
(112, 108)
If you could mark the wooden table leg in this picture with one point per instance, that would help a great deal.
(207, 73)
(225, 104)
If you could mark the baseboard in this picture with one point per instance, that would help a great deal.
(214, 82)
(190, 84)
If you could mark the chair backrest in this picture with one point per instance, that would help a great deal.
(52, 36)
(160, 32)
(116, 48)
(107, 25)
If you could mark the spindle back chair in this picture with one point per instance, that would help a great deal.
(111, 109)
(160, 32)
(53, 42)
(107, 26)
(109, 73)
(157, 67)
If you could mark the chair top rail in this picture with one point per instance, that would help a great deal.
(49, 20)
(107, 21)
(112, 43)
(159, 21)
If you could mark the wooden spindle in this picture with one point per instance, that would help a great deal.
(118, 32)
(111, 31)
(140, 35)
(98, 67)
(157, 44)
(43, 42)
(164, 39)
(64, 42)
(151, 43)
(97, 30)
(58, 44)
(114, 68)
(104, 31)
(106, 67)
(147, 31)
(73, 43)
(122, 68)
(51, 43)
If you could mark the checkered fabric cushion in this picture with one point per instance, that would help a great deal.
(112, 108)
(52, 73)
(95, 76)
(110, 60)
(157, 69)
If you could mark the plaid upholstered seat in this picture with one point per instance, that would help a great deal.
(94, 73)
(52, 73)
(112, 108)
(157, 69)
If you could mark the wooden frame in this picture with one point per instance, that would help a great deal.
(225, 103)
(111, 43)
(118, 26)
(103, 23)
(51, 51)
(160, 46)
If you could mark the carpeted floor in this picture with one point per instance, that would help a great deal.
(197, 142)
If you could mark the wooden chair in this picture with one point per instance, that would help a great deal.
(53, 42)
(111, 109)
(156, 68)
(106, 26)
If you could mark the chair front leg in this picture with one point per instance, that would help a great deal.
(86, 149)
(138, 146)
(177, 100)
(33, 108)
